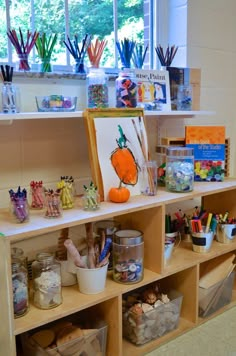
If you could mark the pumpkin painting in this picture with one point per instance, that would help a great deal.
(123, 161)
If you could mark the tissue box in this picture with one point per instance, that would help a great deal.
(213, 298)
(65, 339)
(143, 328)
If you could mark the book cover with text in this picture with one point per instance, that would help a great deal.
(208, 143)
(153, 88)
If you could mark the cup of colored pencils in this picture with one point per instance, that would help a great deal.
(45, 48)
(166, 58)
(139, 55)
(9, 97)
(125, 49)
(23, 47)
(78, 52)
(95, 51)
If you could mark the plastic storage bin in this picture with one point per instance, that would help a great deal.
(90, 342)
(140, 329)
(213, 298)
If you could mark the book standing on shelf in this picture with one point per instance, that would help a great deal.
(153, 89)
(208, 143)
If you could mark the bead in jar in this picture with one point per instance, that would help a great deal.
(46, 281)
(179, 169)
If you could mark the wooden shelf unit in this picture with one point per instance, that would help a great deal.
(146, 214)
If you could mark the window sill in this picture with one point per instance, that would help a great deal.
(58, 75)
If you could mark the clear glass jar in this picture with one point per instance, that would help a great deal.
(19, 288)
(46, 281)
(24, 62)
(184, 97)
(36, 195)
(179, 169)
(128, 249)
(18, 253)
(126, 89)
(97, 89)
(10, 103)
(52, 204)
(46, 65)
(19, 209)
(91, 200)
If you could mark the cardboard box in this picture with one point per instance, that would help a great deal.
(186, 76)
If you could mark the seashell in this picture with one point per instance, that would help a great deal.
(164, 298)
(158, 303)
(146, 307)
(136, 309)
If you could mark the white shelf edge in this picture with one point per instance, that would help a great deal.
(40, 115)
(179, 113)
(8, 118)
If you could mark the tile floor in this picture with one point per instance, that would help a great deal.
(216, 337)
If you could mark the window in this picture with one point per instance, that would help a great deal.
(105, 19)
(146, 21)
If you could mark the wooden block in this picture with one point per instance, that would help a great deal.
(169, 141)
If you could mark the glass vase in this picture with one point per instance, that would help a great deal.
(9, 98)
(79, 67)
(24, 62)
(45, 65)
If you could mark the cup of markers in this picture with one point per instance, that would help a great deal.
(226, 229)
(202, 236)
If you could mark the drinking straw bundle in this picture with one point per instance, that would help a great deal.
(22, 47)
(95, 52)
(45, 47)
(166, 58)
(6, 73)
(125, 49)
(139, 55)
(77, 53)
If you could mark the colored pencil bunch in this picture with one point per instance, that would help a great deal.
(125, 49)
(139, 55)
(6, 73)
(166, 58)
(78, 53)
(95, 51)
(45, 48)
(23, 47)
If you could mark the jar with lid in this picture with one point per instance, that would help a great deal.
(18, 253)
(126, 89)
(97, 89)
(46, 273)
(19, 288)
(179, 169)
(128, 249)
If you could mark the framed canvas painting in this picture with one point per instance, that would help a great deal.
(118, 147)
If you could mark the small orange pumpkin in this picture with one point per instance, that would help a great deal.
(119, 195)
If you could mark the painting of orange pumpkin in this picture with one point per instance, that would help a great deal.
(123, 161)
